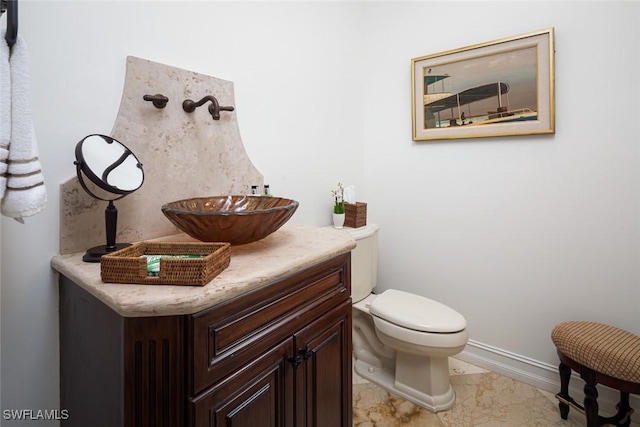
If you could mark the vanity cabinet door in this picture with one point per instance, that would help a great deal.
(230, 335)
(306, 377)
(323, 381)
(259, 394)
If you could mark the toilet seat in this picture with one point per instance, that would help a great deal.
(419, 342)
(417, 313)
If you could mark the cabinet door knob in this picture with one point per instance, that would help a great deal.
(295, 360)
(306, 353)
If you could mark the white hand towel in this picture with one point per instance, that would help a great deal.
(25, 194)
(5, 115)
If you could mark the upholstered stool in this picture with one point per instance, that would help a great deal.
(601, 354)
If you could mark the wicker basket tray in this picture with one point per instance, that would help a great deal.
(355, 214)
(128, 265)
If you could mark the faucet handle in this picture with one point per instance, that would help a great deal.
(158, 100)
(215, 112)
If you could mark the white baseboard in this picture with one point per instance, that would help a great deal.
(540, 375)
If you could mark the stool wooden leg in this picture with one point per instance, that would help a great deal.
(590, 397)
(623, 417)
(565, 376)
(624, 408)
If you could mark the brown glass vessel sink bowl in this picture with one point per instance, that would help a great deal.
(234, 219)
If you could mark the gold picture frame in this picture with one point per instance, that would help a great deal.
(499, 88)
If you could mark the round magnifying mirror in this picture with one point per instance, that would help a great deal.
(109, 164)
(114, 171)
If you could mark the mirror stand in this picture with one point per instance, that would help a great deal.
(111, 222)
(113, 169)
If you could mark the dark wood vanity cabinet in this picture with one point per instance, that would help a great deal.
(279, 356)
(300, 381)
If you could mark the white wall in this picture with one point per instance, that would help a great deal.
(516, 233)
(298, 99)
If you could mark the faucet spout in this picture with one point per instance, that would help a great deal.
(214, 108)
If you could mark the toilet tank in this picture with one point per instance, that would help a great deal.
(364, 261)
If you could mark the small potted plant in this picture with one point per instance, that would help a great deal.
(338, 206)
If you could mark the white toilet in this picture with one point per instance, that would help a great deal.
(401, 341)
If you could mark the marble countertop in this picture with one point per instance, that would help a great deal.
(292, 248)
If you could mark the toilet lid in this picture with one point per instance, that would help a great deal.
(416, 312)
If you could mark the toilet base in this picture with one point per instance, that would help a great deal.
(386, 378)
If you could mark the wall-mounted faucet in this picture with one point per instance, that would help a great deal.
(214, 108)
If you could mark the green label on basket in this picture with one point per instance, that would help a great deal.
(153, 262)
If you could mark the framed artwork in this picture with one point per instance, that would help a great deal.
(499, 88)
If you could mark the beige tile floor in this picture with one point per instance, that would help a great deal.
(483, 399)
